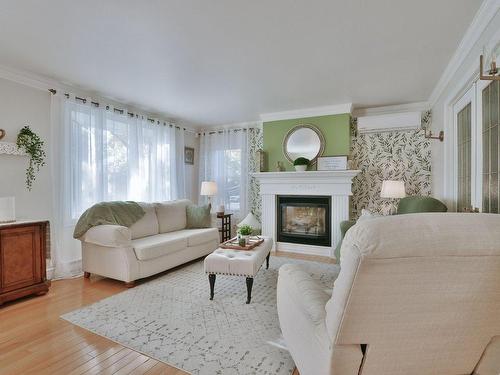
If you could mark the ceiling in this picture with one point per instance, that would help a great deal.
(226, 61)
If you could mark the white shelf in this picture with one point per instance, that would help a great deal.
(10, 148)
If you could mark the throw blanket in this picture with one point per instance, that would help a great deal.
(111, 213)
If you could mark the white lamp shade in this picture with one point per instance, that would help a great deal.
(7, 209)
(393, 189)
(208, 188)
(251, 220)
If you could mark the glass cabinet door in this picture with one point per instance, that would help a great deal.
(464, 157)
(465, 149)
(490, 135)
(476, 118)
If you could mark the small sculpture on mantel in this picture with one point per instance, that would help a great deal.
(280, 167)
(2, 133)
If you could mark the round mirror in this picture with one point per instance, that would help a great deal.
(304, 141)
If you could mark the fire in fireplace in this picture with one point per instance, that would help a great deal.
(304, 219)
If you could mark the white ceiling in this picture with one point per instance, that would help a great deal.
(209, 62)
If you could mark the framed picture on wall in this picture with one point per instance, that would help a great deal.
(332, 163)
(189, 155)
(262, 159)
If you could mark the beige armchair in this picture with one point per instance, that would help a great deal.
(417, 294)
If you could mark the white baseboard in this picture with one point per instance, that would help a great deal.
(326, 251)
(50, 273)
(69, 270)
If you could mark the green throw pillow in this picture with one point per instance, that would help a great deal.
(198, 217)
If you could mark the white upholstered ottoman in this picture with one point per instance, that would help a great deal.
(238, 263)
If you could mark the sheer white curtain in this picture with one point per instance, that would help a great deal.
(223, 159)
(103, 155)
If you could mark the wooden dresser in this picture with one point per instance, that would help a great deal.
(23, 247)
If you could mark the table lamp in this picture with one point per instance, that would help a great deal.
(208, 189)
(7, 209)
(393, 190)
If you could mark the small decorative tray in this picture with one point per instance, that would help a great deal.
(233, 243)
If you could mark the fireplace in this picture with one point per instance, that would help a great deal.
(335, 186)
(304, 219)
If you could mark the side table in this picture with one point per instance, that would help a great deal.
(225, 229)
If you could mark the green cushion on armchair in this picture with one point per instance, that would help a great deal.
(407, 205)
(416, 204)
(344, 227)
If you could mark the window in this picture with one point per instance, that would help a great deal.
(233, 177)
(476, 119)
(111, 156)
(224, 159)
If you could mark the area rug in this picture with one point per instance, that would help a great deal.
(172, 320)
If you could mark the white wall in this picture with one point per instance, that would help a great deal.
(21, 105)
(465, 72)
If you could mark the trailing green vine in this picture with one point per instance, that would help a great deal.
(32, 144)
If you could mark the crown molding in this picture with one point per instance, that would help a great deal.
(28, 79)
(484, 15)
(392, 109)
(307, 112)
(40, 82)
(237, 125)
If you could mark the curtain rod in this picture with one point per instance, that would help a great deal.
(118, 110)
(222, 131)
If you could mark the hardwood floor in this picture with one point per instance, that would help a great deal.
(34, 340)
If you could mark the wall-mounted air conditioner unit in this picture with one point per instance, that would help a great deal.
(389, 122)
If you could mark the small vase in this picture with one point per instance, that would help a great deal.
(301, 168)
(242, 241)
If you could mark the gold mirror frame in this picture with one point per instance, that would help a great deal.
(302, 126)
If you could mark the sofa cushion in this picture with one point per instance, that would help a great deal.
(305, 291)
(158, 245)
(166, 243)
(200, 236)
(172, 215)
(108, 236)
(148, 224)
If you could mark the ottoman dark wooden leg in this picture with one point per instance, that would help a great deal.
(211, 280)
(267, 261)
(249, 288)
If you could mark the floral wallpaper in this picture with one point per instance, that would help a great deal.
(399, 155)
(255, 143)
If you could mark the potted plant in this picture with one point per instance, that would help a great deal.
(32, 144)
(301, 164)
(244, 232)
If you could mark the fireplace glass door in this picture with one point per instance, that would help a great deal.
(304, 219)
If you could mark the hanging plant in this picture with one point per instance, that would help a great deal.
(32, 144)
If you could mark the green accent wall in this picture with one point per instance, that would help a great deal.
(335, 129)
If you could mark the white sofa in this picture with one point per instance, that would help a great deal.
(157, 242)
(416, 294)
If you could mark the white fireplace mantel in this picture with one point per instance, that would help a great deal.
(336, 184)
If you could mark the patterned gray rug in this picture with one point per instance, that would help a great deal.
(172, 320)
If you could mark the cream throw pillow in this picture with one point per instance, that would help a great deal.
(366, 215)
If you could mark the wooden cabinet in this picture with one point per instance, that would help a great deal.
(22, 260)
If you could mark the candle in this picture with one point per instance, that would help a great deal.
(7, 209)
